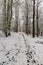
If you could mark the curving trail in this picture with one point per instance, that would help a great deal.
(31, 54)
(19, 49)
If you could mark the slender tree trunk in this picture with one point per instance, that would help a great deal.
(16, 17)
(33, 18)
(5, 20)
(27, 22)
(26, 16)
(10, 15)
(37, 21)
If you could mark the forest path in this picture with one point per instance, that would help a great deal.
(20, 49)
(32, 58)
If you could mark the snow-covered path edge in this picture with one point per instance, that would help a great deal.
(32, 57)
(20, 49)
(12, 50)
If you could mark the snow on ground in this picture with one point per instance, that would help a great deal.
(36, 46)
(20, 49)
(12, 50)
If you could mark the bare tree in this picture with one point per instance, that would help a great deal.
(26, 16)
(5, 20)
(16, 15)
(37, 15)
(33, 18)
(37, 18)
(9, 14)
(16, 5)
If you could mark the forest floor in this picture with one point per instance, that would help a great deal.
(21, 49)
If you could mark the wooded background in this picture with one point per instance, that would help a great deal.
(21, 16)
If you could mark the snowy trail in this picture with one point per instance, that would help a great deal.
(12, 50)
(28, 52)
(32, 58)
(20, 49)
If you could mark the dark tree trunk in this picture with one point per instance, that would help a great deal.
(33, 18)
(27, 22)
(6, 33)
(9, 16)
(16, 16)
(5, 19)
(37, 21)
(26, 17)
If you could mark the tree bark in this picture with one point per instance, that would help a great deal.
(9, 15)
(16, 15)
(26, 16)
(33, 18)
(37, 22)
(5, 19)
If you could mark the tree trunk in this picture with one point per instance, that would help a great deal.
(37, 21)
(16, 17)
(5, 19)
(26, 16)
(27, 23)
(9, 15)
(33, 18)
